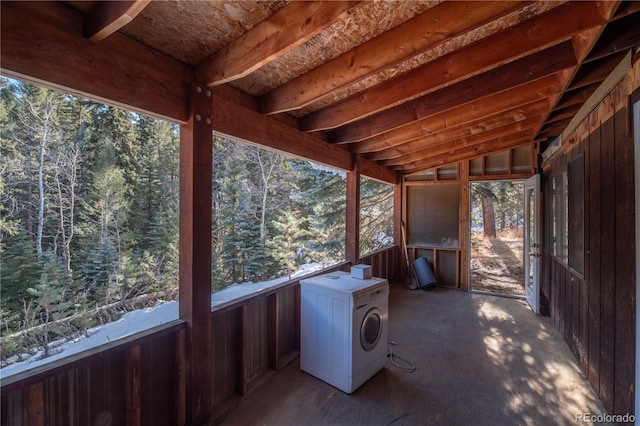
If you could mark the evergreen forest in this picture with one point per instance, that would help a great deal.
(89, 203)
(497, 207)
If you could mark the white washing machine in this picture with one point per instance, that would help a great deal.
(343, 328)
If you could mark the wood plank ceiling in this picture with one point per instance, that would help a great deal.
(409, 85)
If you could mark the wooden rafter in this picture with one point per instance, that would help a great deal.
(556, 52)
(107, 17)
(509, 99)
(284, 30)
(435, 148)
(436, 25)
(469, 152)
(543, 31)
(522, 71)
(526, 116)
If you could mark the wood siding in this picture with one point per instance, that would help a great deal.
(119, 385)
(142, 381)
(595, 311)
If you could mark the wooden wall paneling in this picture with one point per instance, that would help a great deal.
(562, 286)
(227, 357)
(104, 384)
(70, 404)
(594, 209)
(79, 377)
(11, 408)
(35, 408)
(576, 285)
(584, 290)
(255, 346)
(608, 262)
(567, 279)
(297, 298)
(555, 293)
(180, 402)
(115, 386)
(158, 368)
(576, 321)
(624, 358)
(132, 386)
(289, 325)
(273, 343)
(285, 328)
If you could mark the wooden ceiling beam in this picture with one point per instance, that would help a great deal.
(469, 152)
(432, 149)
(42, 43)
(518, 97)
(432, 27)
(283, 31)
(529, 68)
(107, 17)
(484, 127)
(240, 120)
(547, 29)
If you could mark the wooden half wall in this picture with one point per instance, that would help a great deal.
(141, 379)
(595, 308)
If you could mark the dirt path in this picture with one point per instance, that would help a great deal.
(496, 264)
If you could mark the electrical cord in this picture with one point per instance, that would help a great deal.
(407, 367)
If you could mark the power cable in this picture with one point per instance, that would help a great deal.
(408, 367)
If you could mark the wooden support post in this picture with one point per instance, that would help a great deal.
(195, 254)
(463, 232)
(353, 217)
(397, 214)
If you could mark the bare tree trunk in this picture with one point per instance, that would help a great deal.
(266, 166)
(488, 217)
(41, 191)
(66, 200)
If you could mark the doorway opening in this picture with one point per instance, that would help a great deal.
(496, 263)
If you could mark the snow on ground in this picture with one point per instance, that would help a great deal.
(143, 319)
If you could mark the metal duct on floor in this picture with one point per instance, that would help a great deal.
(424, 272)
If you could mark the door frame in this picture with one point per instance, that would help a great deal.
(636, 145)
(470, 289)
(532, 247)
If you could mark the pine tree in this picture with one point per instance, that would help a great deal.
(376, 215)
(323, 194)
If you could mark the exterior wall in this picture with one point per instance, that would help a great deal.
(595, 309)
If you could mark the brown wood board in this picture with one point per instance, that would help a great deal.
(625, 333)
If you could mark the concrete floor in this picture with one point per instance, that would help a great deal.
(479, 360)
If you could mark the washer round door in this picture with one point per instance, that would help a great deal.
(371, 329)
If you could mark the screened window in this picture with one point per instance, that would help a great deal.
(566, 215)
